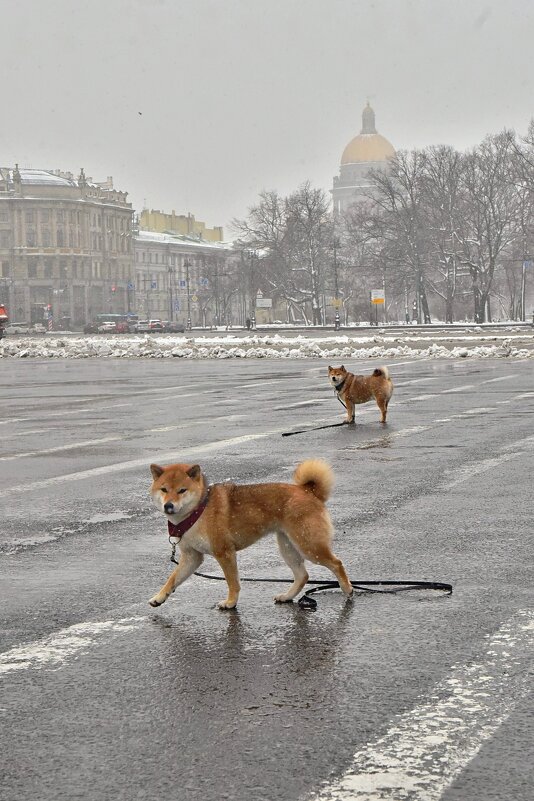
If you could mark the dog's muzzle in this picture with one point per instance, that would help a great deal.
(169, 508)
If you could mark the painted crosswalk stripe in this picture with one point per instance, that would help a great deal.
(422, 754)
(63, 646)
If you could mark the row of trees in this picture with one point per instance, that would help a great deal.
(444, 231)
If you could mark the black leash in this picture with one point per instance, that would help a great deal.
(307, 602)
(317, 428)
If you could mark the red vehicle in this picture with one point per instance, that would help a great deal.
(4, 319)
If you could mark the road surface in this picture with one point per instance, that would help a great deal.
(102, 697)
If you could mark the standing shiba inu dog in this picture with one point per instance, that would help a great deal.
(353, 389)
(225, 518)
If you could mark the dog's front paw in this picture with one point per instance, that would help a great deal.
(156, 601)
(283, 598)
(227, 604)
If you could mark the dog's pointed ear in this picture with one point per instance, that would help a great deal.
(342, 367)
(156, 471)
(194, 471)
(330, 368)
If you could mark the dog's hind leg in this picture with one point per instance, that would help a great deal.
(228, 563)
(312, 537)
(295, 561)
(382, 403)
(190, 561)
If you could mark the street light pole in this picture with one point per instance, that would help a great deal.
(187, 265)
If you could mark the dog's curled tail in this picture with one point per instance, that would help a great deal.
(317, 476)
(381, 371)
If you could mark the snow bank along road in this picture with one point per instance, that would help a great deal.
(477, 342)
(383, 698)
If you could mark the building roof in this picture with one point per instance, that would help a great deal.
(28, 176)
(369, 145)
(181, 239)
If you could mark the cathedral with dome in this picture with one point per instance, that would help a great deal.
(366, 151)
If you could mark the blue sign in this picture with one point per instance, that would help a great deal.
(182, 283)
(153, 285)
(130, 285)
(527, 264)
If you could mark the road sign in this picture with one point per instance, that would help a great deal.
(182, 283)
(130, 285)
(337, 303)
(377, 296)
(194, 298)
(527, 263)
(153, 285)
(264, 303)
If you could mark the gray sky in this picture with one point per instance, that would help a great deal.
(198, 105)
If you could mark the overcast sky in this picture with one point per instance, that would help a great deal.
(198, 105)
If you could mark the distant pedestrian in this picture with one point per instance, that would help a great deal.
(248, 323)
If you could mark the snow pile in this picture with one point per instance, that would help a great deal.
(256, 347)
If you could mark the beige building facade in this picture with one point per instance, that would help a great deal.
(66, 247)
(180, 280)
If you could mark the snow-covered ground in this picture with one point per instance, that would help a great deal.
(270, 346)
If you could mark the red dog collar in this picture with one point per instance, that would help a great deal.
(179, 529)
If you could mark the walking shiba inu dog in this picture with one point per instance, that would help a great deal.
(225, 518)
(353, 389)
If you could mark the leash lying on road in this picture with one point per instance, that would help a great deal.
(307, 602)
(317, 428)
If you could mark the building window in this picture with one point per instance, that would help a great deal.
(71, 237)
(4, 239)
(32, 269)
(29, 217)
(5, 269)
(30, 239)
(60, 238)
(48, 268)
(45, 216)
(74, 269)
(59, 215)
(63, 272)
(4, 216)
(45, 237)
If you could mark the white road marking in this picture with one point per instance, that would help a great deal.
(132, 464)
(422, 754)
(467, 472)
(518, 448)
(423, 397)
(458, 389)
(85, 444)
(502, 378)
(61, 647)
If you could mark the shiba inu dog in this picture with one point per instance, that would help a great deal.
(222, 519)
(353, 389)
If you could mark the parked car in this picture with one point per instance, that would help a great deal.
(156, 325)
(175, 328)
(142, 326)
(107, 328)
(90, 328)
(38, 328)
(17, 328)
(122, 328)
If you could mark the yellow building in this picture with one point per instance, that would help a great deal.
(173, 223)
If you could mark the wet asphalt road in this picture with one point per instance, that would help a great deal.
(102, 697)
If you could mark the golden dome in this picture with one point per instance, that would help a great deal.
(368, 145)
